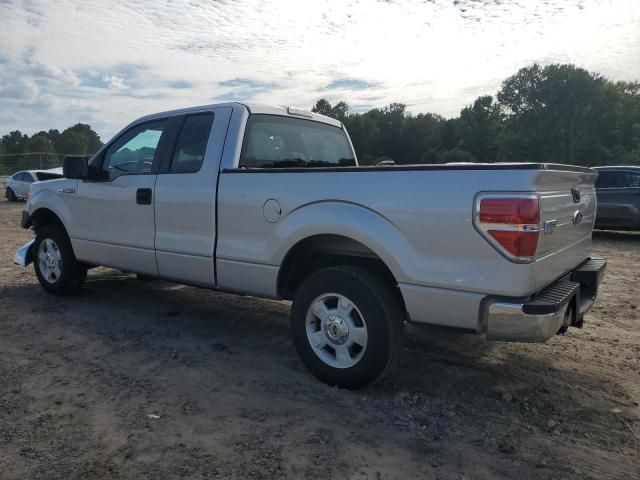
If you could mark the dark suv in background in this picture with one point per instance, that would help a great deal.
(618, 190)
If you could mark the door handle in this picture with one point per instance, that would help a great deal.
(143, 196)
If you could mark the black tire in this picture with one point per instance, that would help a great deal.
(72, 273)
(10, 196)
(145, 278)
(381, 314)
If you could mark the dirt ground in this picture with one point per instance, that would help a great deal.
(133, 379)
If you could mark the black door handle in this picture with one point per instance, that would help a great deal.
(143, 196)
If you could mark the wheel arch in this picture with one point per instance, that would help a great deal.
(46, 207)
(45, 216)
(319, 251)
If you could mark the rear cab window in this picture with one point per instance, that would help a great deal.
(618, 179)
(273, 141)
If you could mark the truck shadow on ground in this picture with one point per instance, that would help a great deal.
(196, 351)
(163, 319)
(632, 237)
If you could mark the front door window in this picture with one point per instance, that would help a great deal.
(133, 152)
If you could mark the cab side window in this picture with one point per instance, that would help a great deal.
(605, 179)
(191, 144)
(630, 180)
(135, 151)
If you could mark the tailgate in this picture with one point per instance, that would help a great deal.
(568, 210)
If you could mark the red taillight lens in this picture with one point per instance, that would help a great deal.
(517, 243)
(511, 223)
(511, 211)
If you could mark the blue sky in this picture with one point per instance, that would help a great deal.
(109, 62)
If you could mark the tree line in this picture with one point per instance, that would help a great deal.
(557, 114)
(79, 139)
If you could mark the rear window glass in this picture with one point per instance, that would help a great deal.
(618, 180)
(273, 141)
(42, 176)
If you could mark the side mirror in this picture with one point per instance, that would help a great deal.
(75, 167)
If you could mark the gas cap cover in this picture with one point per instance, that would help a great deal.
(272, 210)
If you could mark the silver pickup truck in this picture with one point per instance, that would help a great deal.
(271, 202)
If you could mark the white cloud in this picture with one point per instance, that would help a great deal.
(109, 62)
(18, 88)
(115, 82)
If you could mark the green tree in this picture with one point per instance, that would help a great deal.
(53, 134)
(40, 143)
(71, 142)
(559, 113)
(323, 107)
(457, 155)
(339, 111)
(15, 142)
(479, 127)
(91, 137)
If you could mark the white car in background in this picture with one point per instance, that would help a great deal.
(17, 185)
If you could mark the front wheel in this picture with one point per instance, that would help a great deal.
(347, 326)
(10, 196)
(55, 264)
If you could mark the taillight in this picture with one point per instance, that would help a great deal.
(512, 211)
(511, 223)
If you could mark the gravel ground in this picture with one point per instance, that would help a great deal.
(133, 379)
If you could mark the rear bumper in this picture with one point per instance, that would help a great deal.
(562, 304)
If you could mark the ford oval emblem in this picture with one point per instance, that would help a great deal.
(577, 217)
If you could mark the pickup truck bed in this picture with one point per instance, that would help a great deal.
(271, 202)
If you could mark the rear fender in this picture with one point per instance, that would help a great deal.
(349, 220)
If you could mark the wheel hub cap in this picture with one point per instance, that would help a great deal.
(336, 329)
(49, 260)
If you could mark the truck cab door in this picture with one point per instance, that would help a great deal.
(185, 197)
(112, 211)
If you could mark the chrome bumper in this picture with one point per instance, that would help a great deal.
(23, 255)
(507, 322)
(560, 305)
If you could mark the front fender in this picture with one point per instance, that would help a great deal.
(50, 199)
(346, 219)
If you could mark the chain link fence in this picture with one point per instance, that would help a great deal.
(11, 163)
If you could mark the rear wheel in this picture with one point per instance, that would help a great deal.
(347, 326)
(10, 196)
(55, 264)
